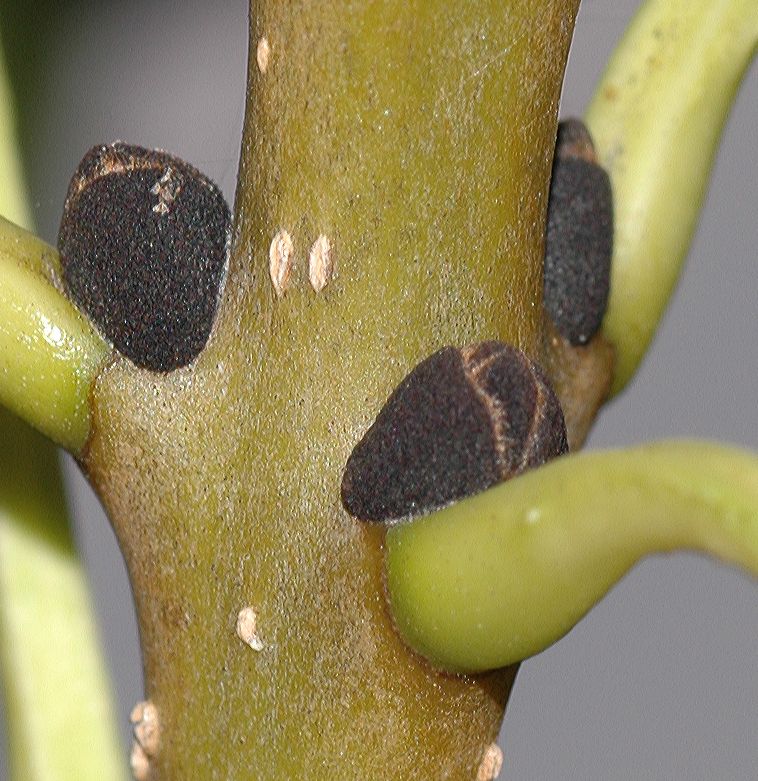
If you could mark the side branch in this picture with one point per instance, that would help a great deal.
(500, 576)
(49, 354)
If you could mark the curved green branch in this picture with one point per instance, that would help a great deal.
(500, 576)
(656, 119)
(49, 354)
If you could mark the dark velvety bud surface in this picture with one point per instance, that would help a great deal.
(526, 415)
(579, 239)
(143, 243)
(460, 422)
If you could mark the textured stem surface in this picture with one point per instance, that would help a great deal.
(415, 138)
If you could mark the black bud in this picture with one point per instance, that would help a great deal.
(143, 243)
(460, 422)
(579, 239)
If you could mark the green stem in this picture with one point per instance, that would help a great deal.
(656, 119)
(500, 576)
(417, 138)
(49, 354)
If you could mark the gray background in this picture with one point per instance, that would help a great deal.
(661, 680)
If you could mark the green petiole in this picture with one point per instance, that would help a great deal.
(500, 576)
(49, 353)
(656, 119)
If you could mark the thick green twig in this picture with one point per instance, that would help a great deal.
(391, 200)
(500, 576)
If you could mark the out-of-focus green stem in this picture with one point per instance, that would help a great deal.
(60, 720)
(13, 202)
(49, 354)
(656, 119)
(502, 575)
(58, 706)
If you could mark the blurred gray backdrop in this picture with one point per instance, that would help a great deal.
(660, 681)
